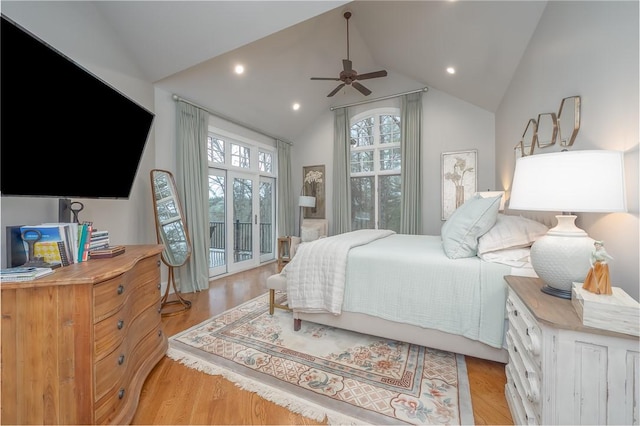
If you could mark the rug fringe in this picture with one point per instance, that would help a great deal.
(295, 404)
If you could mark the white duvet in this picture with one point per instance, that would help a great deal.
(316, 274)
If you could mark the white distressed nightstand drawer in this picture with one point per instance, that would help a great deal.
(526, 327)
(525, 372)
(521, 410)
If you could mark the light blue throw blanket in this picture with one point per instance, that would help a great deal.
(409, 279)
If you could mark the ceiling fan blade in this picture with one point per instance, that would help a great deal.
(361, 88)
(325, 78)
(336, 90)
(347, 65)
(374, 74)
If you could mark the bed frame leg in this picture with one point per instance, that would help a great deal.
(297, 323)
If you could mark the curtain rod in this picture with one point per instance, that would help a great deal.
(424, 89)
(229, 119)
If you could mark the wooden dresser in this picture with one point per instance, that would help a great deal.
(562, 372)
(78, 345)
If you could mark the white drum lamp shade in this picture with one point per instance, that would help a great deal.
(567, 182)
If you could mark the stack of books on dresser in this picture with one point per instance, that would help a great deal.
(23, 273)
(99, 239)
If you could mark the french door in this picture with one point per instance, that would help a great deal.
(241, 213)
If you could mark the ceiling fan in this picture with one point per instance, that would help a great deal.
(349, 76)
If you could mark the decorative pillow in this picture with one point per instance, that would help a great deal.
(309, 233)
(511, 232)
(516, 257)
(468, 222)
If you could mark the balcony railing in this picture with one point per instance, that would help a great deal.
(243, 236)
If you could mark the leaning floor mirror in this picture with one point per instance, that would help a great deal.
(171, 231)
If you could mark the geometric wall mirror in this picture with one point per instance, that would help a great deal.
(546, 130)
(528, 138)
(569, 120)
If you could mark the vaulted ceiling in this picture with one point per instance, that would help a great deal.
(190, 49)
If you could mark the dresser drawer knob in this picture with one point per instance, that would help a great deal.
(158, 263)
(159, 286)
(121, 393)
(515, 312)
(120, 324)
(120, 289)
(120, 359)
(159, 309)
(159, 333)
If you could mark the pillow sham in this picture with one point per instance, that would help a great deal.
(517, 257)
(511, 232)
(468, 222)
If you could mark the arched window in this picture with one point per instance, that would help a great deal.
(375, 169)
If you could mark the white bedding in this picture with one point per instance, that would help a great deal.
(403, 278)
(316, 274)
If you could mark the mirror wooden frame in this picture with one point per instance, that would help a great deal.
(172, 233)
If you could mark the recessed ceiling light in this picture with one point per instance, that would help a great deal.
(239, 69)
(296, 106)
(451, 70)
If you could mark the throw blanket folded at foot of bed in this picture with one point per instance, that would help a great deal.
(316, 274)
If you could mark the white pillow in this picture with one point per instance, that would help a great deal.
(309, 233)
(511, 232)
(468, 222)
(517, 257)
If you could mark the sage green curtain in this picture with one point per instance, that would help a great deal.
(286, 206)
(411, 174)
(192, 181)
(341, 173)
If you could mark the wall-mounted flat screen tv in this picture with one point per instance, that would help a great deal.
(64, 132)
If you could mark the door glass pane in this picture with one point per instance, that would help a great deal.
(389, 202)
(266, 218)
(362, 203)
(242, 219)
(217, 256)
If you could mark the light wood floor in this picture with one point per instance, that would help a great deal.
(175, 394)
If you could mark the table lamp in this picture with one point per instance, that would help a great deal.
(304, 201)
(567, 182)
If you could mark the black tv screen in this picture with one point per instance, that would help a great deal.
(64, 132)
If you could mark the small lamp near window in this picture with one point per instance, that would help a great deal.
(304, 201)
(576, 181)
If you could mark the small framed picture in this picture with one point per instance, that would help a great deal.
(459, 181)
(313, 186)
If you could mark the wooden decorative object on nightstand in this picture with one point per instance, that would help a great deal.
(562, 372)
(284, 253)
(78, 345)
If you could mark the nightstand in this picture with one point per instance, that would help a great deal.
(562, 372)
(284, 253)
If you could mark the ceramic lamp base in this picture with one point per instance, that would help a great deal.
(561, 257)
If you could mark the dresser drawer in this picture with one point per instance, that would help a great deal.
(108, 297)
(525, 328)
(525, 373)
(522, 413)
(123, 390)
(110, 369)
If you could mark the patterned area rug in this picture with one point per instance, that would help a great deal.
(320, 371)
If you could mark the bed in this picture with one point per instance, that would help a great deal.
(422, 289)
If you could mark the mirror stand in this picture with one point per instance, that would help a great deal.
(172, 232)
(182, 303)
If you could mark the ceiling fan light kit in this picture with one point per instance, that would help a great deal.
(349, 76)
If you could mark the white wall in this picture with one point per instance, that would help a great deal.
(588, 49)
(449, 124)
(63, 25)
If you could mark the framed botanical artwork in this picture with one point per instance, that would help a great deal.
(313, 186)
(459, 179)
